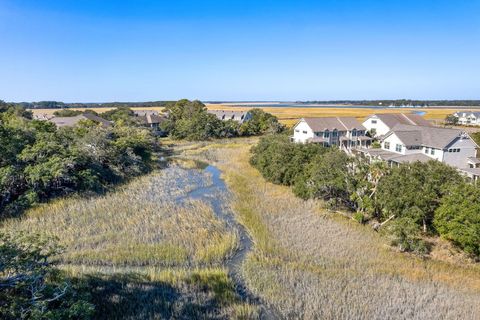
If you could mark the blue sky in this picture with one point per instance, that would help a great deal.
(94, 51)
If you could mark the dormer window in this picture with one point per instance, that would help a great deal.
(354, 132)
(326, 134)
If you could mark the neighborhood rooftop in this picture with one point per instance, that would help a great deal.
(392, 119)
(331, 123)
(434, 137)
(239, 116)
(72, 121)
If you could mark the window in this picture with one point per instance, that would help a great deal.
(426, 150)
(374, 121)
(398, 148)
(326, 134)
(432, 152)
(450, 150)
(386, 145)
(458, 150)
(304, 132)
(296, 130)
(354, 132)
(334, 133)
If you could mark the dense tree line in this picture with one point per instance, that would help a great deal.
(39, 161)
(414, 200)
(190, 120)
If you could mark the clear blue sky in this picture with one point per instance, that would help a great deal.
(138, 50)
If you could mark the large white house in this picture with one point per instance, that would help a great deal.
(344, 132)
(409, 143)
(469, 118)
(380, 124)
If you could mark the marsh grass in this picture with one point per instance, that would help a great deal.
(166, 293)
(289, 116)
(139, 224)
(310, 264)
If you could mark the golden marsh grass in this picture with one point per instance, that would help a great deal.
(310, 264)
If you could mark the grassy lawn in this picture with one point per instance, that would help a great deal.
(311, 264)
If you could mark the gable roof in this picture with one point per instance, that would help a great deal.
(142, 113)
(72, 121)
(425, 136)
(229, 114)
(392, 119)
(151, 118)
(331, 123)
(476, 114)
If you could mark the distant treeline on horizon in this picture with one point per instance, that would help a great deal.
(60, 105)
(399, 102)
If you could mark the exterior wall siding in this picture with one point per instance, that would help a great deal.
(298, 134)
(380, 127)
(459, 159)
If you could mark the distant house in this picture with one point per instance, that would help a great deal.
(344, 132)
(238, 116)
(142, 113)
(379, 124)
(409, 143)
(42, 116)
(73, 121)
(468, 118)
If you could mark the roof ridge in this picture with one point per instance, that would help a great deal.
(341, 122)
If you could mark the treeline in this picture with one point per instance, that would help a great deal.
(414, 200)
(400, 102)
(61, 105)
(190, 120)
(39, 161)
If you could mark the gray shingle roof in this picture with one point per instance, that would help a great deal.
(151, 119)
(331, 123)
(229, 115)
(72, 121)
(393, 119)
(425, 136)
(395, 157)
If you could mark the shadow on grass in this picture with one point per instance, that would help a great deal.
(133, 296)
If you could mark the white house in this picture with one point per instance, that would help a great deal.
(468, 117)
(380, 124)
(407, 143)
(344, 132)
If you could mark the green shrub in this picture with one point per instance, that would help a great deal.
(31, 286)
(359, 217)
(404, 234)
(458, 218)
